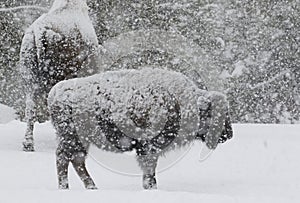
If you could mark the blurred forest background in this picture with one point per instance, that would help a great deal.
(254, 42)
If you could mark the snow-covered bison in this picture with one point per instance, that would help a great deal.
(150, 111)
(57, 46)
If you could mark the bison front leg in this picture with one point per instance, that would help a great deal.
(30, 115)
(148, 164)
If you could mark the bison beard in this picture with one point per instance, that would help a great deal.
(227, 132)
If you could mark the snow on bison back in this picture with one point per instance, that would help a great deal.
(150, 111)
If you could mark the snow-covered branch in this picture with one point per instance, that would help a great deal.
(262, 84)
(24, 7)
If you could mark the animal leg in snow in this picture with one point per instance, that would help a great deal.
(78, 162)
(148, 164)
(62, 164)
(30, 114)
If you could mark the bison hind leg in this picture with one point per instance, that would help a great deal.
(70, 148)
(75, 154)
(62, 164)
(78, 162)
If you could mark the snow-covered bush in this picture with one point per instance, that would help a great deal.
(7, 114)
(149, 110)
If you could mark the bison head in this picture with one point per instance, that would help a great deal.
(214, 121)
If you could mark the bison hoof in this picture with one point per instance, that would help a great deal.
(63, 187)
(150, 187)
(91, 187)
(63, 183)
(149, 182)
(28, 147)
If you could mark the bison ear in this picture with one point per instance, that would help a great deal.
(219, 108)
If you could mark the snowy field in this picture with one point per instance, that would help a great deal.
(261, 164)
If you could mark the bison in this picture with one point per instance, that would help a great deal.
(150, 111)
(59, 45)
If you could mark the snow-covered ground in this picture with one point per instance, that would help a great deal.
(6, 114)
(261, 164)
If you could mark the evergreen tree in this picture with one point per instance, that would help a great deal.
(254, 43)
